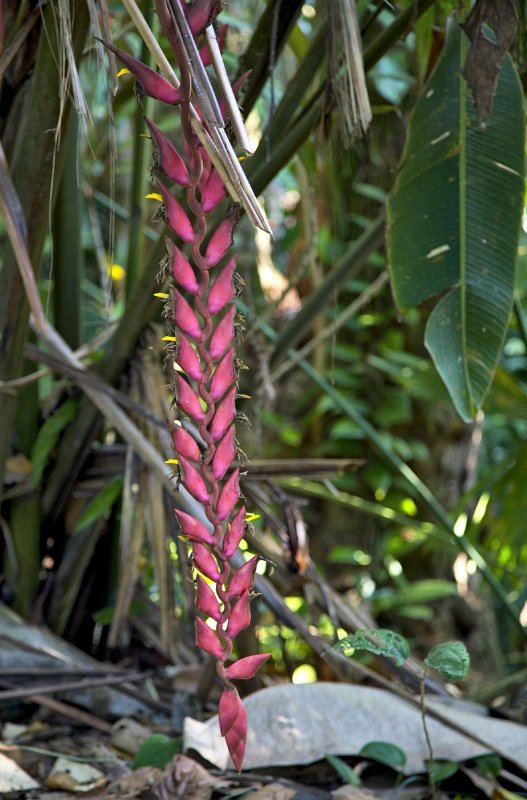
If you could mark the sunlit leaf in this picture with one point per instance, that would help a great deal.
(450, 659)
(417, 593)
(378, 641)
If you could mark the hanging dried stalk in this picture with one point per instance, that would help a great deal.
(346, 78)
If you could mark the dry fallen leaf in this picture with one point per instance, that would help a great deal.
(185, 779)
(352, 793)
(135, 782)
(74, 776)
(12, 778)
(127, 735)
(485, 56)
(274, 791)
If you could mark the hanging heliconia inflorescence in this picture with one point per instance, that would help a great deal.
(203, 311)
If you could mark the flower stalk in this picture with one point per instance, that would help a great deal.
(202, 308)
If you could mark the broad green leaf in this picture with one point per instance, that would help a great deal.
(425, 591)
(157, 751)
(489, 764)
(378, 641)
(48, 437)
(100, 504)
(450, 659)
(441, 770)
(385, 753)
(344, 770)
(454, 221)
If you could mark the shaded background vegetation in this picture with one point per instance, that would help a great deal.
(423, 532)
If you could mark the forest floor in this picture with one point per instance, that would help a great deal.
(78, 729)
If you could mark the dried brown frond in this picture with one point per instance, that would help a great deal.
(347, 81)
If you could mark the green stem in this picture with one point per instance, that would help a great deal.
(296, 89)
(32, 168)
(67, 252)
(141, 154)
(380, 46)
(261, 170)
(430, 763)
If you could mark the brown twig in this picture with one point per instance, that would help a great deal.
(67, 686)
(59, 707)
(87, 378)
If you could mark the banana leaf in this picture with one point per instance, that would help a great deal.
(454, 221)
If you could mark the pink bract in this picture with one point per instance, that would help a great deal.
(223, 336)
(153, 84)
(224, 415)
(170, 162)
(181, 269)
(192, 480)
(224, 455)
(188, 360)
(205, 562)
(185, 444)
(220, 242)
(206, 599)
(193, 529)
(207, 640)
(224, 376)
(234, 533)
(184, 317)
(240, 616)
(247, 667)
(243, 579)
(222, 291)
(177, 218)
(233, 725)
(229, 495)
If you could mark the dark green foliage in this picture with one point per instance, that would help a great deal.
(441, 770)
(157, 751)
(101, 504)
(48, 437)
(344, 770)
(385, 753)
